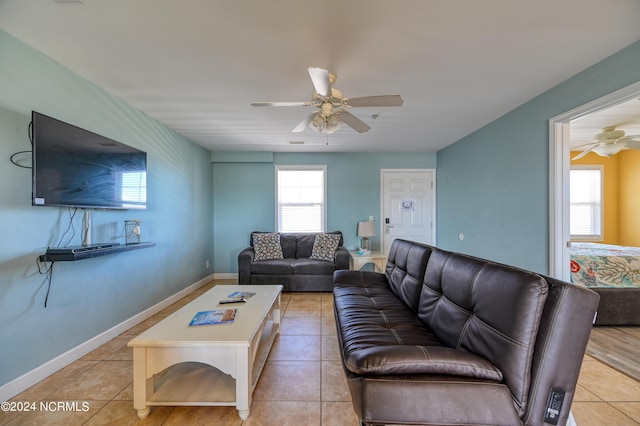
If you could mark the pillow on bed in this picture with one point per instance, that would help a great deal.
(324, 247)
(267, 246)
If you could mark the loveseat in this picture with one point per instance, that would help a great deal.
(298, 261)
(445, 338)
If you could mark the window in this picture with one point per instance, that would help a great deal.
(300, 198)
(585, 213)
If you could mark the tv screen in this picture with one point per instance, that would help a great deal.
(73, 167)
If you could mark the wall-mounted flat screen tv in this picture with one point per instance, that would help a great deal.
(73, 167)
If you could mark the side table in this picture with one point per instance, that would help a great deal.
(378, 259)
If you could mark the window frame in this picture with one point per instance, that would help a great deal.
(589, 237)
(318, 167)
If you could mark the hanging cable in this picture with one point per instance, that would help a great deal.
(13, 156)
(70, 227)
(48, 271)
(49, 278)
(15, 163)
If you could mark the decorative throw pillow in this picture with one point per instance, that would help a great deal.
(267, 246)
(324, 247)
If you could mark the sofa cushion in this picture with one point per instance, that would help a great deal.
(304, 245)
(273, 267)
(289, 243)
(417, 359)
(324, 247)
(372, 317)
(267, 246)
(306, 242)
(405, 270)
(489, 309)
(306, 266)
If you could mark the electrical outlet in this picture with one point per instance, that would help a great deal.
(206, 264)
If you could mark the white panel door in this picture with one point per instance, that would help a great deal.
(408, 206)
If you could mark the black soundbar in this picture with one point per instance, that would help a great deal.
(87, 252)
(80, 249)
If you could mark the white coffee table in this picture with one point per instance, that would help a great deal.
(218, 364)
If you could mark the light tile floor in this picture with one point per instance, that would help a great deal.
(301, 384)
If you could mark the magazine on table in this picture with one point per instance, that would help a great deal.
(241, 295)
(218, 316)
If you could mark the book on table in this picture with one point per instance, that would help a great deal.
(218, 316)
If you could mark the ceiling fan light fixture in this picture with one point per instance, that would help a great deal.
(333, 123)
(317, 123)
(326, 125)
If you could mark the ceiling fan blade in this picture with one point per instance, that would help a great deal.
(321, 80)
(304, 123)
(631, 143)
(262, 104)
(582, 154)
(354, 122)
(376, 101)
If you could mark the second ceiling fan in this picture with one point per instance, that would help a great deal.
(610, 142)
(332, 106)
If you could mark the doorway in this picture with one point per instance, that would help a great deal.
(559, 166)
(408, 206)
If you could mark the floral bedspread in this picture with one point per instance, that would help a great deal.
(605, 265)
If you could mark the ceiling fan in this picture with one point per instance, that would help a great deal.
(610, 142)
(332, 106)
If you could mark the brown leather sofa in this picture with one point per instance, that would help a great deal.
(442, 338)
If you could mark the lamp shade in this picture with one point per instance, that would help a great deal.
(366, 229)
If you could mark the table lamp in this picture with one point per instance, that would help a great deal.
(366, 230)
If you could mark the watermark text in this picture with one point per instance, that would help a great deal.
(46, 406)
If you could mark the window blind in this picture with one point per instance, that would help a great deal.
(301, 197)
(585, 213)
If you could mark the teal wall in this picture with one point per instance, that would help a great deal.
(90, 296)
(493, 185)
(244, 195)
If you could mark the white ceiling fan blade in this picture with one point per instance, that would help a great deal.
(354, 122)
(376, 101)
(262, 104)
(321, 80)
(631, 143)
(304, 123)
(582, 154)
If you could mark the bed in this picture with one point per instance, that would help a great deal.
(614, 273)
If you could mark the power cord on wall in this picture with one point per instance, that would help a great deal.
(43, 269)
(15, 162)
(48, 271)
(70, 227)
(13, 156)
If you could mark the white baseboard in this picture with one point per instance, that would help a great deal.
(225, 276)
(19, 384)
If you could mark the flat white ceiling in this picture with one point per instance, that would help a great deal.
(196, 65)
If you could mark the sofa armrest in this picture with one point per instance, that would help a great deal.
(343, 258)
(245, 258)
